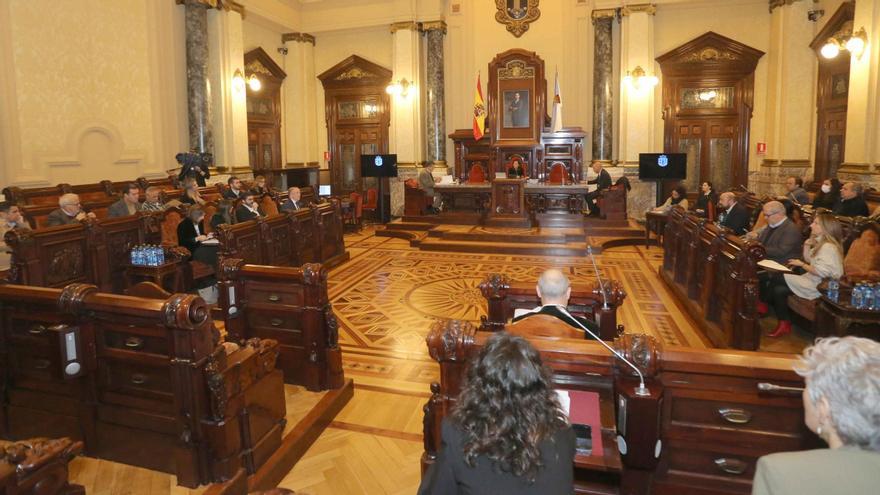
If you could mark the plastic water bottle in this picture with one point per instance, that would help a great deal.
(138, 255)
(161, 253)
(153, 257)
(856, 297)
(834, 289)
(868, 301)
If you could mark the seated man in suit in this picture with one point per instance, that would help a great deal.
(248, 210)
(554, 290)
(794, 187)
(733, 215)
(426, 183)
(781, 237)
(69, 211)
(234, 191)
(128, 205)
(851, 203)
(293, 201)
(602, 181)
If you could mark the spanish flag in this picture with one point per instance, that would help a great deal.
(479, 112)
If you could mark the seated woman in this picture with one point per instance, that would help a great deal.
(507, 433)
(191, 195)
(260, 188)
(191, 235)
(223, 216)
(823, 258)
(707, 196)
(841, 400)
(516, 170)
(828, 194)
(677, 198)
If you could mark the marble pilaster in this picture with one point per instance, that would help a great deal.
(603, 83)
(201, 136)
(435, 116)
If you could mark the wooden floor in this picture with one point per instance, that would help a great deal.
(386, 298)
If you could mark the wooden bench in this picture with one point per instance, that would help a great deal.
(37, 215)
(38, 466)
(503, 298)
(710, 413)
(289, 305)
(151, 386)
(94, 192)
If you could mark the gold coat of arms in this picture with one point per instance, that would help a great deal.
(517, 14)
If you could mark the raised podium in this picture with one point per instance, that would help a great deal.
(508, 206)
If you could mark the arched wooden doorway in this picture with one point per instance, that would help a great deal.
(831, 95)
(264, 112)
(708, 87)
(357, 113)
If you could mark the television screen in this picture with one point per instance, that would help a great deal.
(662, 166)
(324, 190)
(378, 165)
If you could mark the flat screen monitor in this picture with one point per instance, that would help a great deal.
(662, 166)
(378, 165)
(324, 190)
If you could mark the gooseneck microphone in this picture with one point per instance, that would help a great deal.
(598, 276)
(641, 390)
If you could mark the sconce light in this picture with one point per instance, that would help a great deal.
(639, 80)
(400, 88)
(853, 42)
(254, 83)
(708, 95)
(238, 81)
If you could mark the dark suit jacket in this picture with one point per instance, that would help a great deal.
(603, 181)
(826, 201)
(799, 195)
(119, 209)
(783, 243)
(58, 217)
(230, 194)
(737, 220)
(849, 470)
(186, 234)
(243, 214)
(554, 311)
(200, 176)
(854, 207)
(450, 475)
(703, 201)
(289, 205)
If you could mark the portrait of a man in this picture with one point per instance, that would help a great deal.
(516, 109)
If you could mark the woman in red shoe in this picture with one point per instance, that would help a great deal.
(823, 258)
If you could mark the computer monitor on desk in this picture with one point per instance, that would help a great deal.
(324, 190)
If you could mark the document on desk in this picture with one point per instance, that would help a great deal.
(583, 408)
(773, 266)
(211, 242)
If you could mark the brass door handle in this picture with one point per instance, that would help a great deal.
(734, 415)
(731, 466)
(134, 342)
(138, 379)
(274, 297)
(276, 322)
(36, 330)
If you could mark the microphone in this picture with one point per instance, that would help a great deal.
(598, 276)
(641, 391)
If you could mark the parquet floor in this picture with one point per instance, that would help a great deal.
(386, 298)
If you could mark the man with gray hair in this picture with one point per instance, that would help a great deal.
(69, 211)
(781, 237)
(554, 290)
(851, 203)
(732, 215)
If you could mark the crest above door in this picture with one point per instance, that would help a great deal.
(355, 71)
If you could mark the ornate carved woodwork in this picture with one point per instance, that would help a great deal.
(264, 112)
(516, 15)
(358, 114)
(38, 466)
(831, 96)
(708, 86)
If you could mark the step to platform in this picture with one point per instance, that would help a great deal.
(521, 248)
(507, 238)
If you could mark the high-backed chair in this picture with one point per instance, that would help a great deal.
(558, 174)
(476, 174)
(372, 201)
(353, 215)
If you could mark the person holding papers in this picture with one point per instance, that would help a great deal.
(823, 258)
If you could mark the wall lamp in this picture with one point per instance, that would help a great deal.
(853, 42)
(639, 80)
(400, 88)
(238, 81)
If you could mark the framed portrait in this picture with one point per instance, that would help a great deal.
(840, 85)
(516, 109)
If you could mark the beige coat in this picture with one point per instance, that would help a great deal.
(665, 207)
(847, 470)
(827, 263)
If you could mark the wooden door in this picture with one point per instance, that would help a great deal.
(264, 114)
(711, 151)
(358, 116)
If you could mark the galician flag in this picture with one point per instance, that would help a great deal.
(479, 112)
(556, 120)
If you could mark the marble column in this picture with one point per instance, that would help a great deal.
(198, 84)
(300, 109)
(228, 103)
(603, 84)
(435, 116)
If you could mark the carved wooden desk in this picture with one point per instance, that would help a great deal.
(464, 197)
(556, 198)
(157, 274)
(655, 222)
(38, 467)
(838, 319)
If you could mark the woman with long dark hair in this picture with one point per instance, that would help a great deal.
(707, 196)
(507, 433)
(677, 198)
(828, 195)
